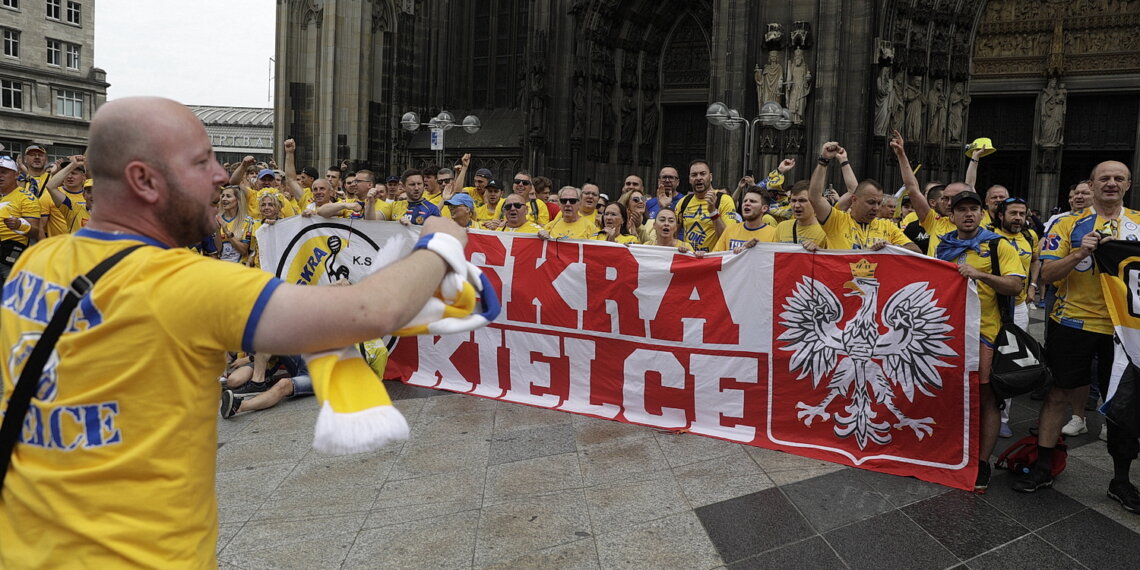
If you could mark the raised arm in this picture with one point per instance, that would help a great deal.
(815, 189)
(291, 168)
(917, 200)
(238, 178)
(972, 169)
(56, 179)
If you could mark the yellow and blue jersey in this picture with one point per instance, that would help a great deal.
(737, 235)
(1080, 299)
(130, 403)
(696, 227)
(1008, 264)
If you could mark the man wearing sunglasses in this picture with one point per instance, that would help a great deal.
(569, 224)
(536, 212)
(667, 183)
(490, 213)
(514, 216)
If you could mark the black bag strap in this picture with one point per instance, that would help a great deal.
(1005, 302)
(25, 387)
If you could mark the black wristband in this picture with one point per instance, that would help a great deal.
(844, 163)
(823, 161)
(973, 159)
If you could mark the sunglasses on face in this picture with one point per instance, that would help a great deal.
(513, 205)
(444, 180)
(522, 182)
(637, 199)
(1014, 200)
(568, 200)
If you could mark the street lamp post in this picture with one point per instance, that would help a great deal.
(440, 123)
(771, 114)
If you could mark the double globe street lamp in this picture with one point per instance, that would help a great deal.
(444, 121)
(772, 114)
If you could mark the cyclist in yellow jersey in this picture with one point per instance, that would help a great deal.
(860, 228)
(116, 468)
(1079, 328)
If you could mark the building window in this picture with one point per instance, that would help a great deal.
(74, 15)
(11, 42)
(53, 9)
(11, 94)
(72, 53)
(55, 52)
(13, 4)
(69, 103)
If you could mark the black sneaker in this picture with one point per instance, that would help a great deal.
(983, 481)
(230, 404)
(1032, 481)
(1125, 493)
(252, 387)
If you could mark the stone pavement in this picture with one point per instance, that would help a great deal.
(484, 484)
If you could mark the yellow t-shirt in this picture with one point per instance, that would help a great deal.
(75, 213)
(436, 199)
(1025, 248)
(621, 238)
(737, 234)
(117, 465)
(483, 213)
(242, 228)
(791, 231)
(1080, 299)
(288, 207)
(581, 228)
(53, 215)
(18, 203)
(843, 232)
(526, 228)
(1009, 264)
(40, 180)
(698, 229)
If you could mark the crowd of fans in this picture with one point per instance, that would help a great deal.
(948, 221)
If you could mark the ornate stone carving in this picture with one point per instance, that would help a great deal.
(884, 101)
(801, 34)
(768, 80)
(1053, 102)
(774, 37)
(915, 101)
(937, 108)
(577, 129)
(799, 86)
(959, 103)
(898, 104)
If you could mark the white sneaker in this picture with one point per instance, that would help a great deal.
(1076, 426)
(1103, 435)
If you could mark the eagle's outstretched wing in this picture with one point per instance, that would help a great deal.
(914, 344)
(810, 315)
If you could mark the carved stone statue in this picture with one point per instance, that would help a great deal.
(628, 116)
(937, 109)
(959, 102)
(915, 104)
(768, 80)
(1052, 115)
(898, 107)
(651, 116)
(577, 130)
(884, 95)
(799, 88)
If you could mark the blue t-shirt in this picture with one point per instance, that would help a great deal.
(652, 207)
(420, 211)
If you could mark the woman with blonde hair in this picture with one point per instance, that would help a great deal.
(235, 227)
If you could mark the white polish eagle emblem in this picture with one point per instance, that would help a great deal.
(862, 366)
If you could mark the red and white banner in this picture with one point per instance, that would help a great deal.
(865, 359)
(861, 358)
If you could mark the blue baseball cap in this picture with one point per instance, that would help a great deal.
(461, 199)
(266, 172)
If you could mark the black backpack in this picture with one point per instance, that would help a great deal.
(1017, 365)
